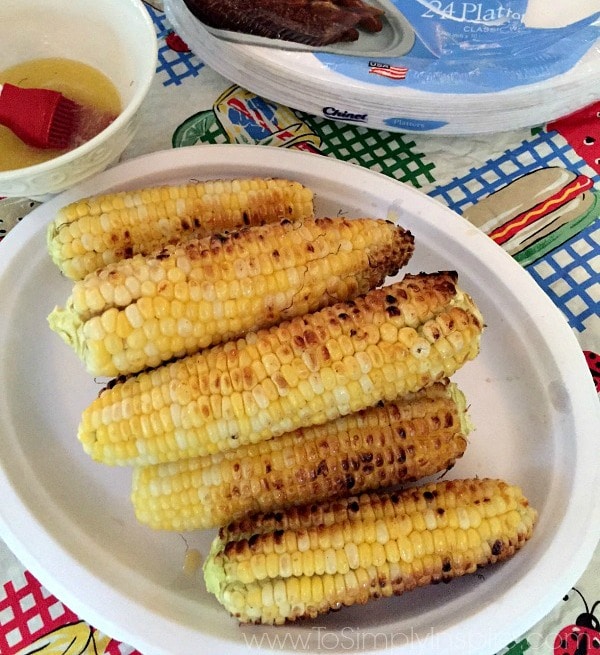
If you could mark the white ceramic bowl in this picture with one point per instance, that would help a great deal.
(116, 37)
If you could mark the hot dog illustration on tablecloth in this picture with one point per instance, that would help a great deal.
(537, 212)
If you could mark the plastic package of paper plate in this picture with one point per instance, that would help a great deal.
(407, 65)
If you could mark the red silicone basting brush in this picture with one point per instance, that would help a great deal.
(39, 117)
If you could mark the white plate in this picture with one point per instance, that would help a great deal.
(306, 82)
(395, 39)
(70, 520)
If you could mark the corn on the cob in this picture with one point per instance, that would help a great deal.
(391, 341)
(90, 233)
(140, 312)
(397, 442)
(307, 561)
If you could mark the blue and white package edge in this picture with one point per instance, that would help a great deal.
(473, 47)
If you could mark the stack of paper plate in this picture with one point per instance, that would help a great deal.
(396, 81)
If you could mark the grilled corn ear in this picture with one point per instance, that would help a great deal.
(310, 560)
(396, 442)
(391, 341)
(140, 312)
(90, 233)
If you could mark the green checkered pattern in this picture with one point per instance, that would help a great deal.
(391, 154)
(384, 152)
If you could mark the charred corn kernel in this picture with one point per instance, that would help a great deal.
(398, 442)
(185, 384)
(89, 234)
(371, 563)
(106, 314)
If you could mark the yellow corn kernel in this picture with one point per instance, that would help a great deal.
(91, 233)
(380, 571)
(398, 442)
(280, 409)
(158, 290)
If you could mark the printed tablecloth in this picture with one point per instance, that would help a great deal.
(191, 104)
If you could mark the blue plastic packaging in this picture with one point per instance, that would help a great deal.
(473, 47)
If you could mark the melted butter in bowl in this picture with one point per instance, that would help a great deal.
(97, 96)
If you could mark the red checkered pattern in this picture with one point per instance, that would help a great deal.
(28, 611)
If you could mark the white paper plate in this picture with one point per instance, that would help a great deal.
(70, 520)
(302, 81)
(395, 39)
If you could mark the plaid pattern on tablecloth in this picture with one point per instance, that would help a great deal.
(570, 273)
(32, 619)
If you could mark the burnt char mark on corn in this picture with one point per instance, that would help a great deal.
(338, 367)
(371, 546)
(137, 313)
(374, 504)
(389, 444)
(90, 233)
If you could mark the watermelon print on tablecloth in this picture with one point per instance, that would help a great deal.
(175, 61)
(581, 130)
(593, 362)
